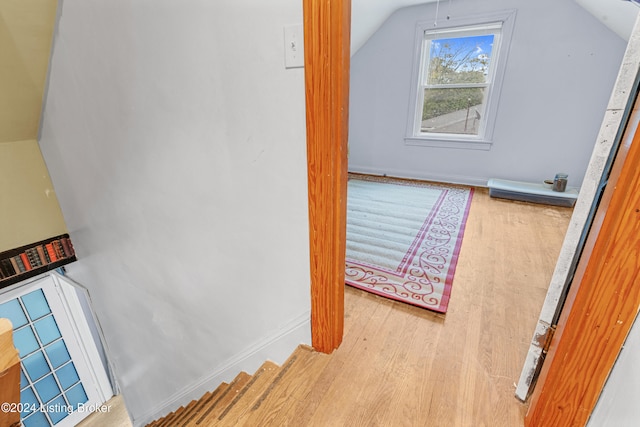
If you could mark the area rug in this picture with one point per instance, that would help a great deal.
(404, 237)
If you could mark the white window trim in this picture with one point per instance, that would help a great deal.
(473, 142)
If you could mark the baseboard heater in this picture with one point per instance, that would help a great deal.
(531, 192)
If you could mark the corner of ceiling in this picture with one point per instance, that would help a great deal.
(618, 15)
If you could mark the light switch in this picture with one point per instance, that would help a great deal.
(293, 46)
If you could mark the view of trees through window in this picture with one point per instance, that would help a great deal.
(456, 78)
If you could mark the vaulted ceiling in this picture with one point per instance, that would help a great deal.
(368, 15)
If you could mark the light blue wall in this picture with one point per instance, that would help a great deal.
(560, 71)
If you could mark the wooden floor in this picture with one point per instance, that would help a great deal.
(401, 365)
(404, 366)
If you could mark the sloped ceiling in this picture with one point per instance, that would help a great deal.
(618, 15)
(368, 15)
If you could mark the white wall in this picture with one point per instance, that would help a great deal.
(561, 68)
(176, 142)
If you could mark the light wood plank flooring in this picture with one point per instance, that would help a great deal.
(404, 366)
(401, 365)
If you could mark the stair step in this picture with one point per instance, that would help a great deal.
(272, 396)
(247, 398)
(279, 404)
(181, 415)
(201, 404)
(214, 409)
(169, 419)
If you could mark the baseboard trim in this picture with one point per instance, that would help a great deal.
(276, 348)
(422, 175)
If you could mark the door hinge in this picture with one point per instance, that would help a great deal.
(545, 340)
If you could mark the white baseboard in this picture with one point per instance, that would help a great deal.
(422, 175)
(276, 348)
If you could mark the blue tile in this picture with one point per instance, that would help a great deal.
(13, 311)
(57, 410)
(29, 402)
(36, 304)
(76, 396)
(57, 353)
(47, 330)
(47, 388)
(67, 375)
(36, 366)
(36, 420)
(25, 341)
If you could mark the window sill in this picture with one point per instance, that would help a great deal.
(464, 144)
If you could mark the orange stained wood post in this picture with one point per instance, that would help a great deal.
(327, 26)
(601, 306)
(9, 376)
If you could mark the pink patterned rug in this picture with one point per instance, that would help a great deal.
(404, 237)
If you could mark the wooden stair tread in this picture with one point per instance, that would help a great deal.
(247, 398)
(182, 413)
(209, 415)
(272, 395)
(279, 404)
(193, 410)
(169, 419)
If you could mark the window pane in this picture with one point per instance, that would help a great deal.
(58, 354)
(67, 375)
(459, 60)
(76, 396)
(25, 341)
(13, 312)
(36, 304)
(29, 401)
(47, 330)
(36, 420)
(455, 111)
(36, 366)
(47, 388)
(57, 409)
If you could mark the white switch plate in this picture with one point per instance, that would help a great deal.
(293, 46)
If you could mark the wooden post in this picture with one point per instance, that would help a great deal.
(327, 26)
(9, 376)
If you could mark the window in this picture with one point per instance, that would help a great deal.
(457, 82)
(61, 377)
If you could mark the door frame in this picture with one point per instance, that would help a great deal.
(602, 303)
(590, 334)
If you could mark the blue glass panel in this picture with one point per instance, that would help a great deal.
(36, 304)
(29, 402)
(67, 375)
(76, 396)
(47, 330)
(58, 354)
(36, 420)
(25, 341)
(23, 380)
(13, 311)
(47, 388)
(57, 409)
(36, 366)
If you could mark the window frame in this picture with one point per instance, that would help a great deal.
(464, 26)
